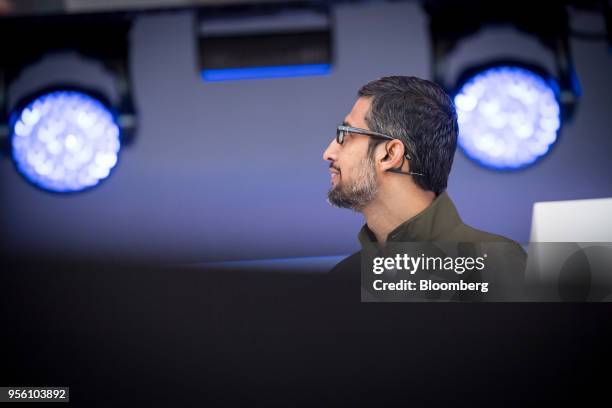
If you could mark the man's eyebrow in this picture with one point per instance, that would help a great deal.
(345, 123)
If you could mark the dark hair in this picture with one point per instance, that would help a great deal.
(422, 115)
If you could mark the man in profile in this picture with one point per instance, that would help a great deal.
(390, 161)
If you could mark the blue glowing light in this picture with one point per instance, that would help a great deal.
(508, 117)
(65, 141)
(227, 74)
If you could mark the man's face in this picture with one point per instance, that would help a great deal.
(353, 172)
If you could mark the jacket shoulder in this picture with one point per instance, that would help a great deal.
(465, 233)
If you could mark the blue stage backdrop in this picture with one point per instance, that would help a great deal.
(233, 170)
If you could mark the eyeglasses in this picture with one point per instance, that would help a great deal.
(342, 130)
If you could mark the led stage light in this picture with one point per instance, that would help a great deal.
(509, 116)
(65, 141)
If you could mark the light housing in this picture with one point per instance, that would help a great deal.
(454, 23)
(272, 42)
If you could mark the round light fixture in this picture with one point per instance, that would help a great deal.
(509, 116)
(65, 140)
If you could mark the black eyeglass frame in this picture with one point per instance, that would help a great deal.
(342, 129)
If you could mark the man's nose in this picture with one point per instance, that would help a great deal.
(331, 153)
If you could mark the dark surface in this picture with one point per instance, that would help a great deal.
(135, 335)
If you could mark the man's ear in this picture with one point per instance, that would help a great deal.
(392, 155)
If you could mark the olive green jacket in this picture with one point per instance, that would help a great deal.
(440, 222)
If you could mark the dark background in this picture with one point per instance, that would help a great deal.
(121, 335)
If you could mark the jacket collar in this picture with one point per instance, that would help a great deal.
(439, 218)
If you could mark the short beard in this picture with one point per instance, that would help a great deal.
(357, 195)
